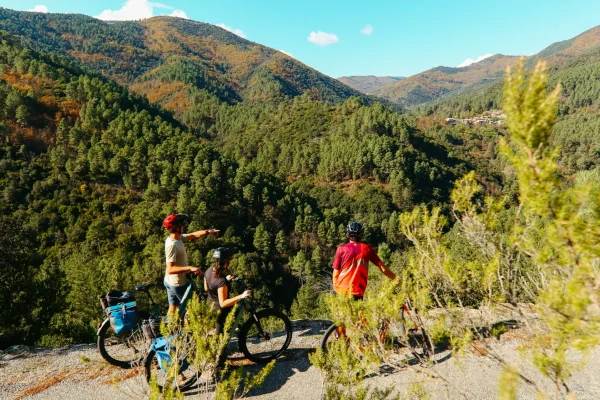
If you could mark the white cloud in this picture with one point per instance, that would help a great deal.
(367, 30)
(238, 32)
(137, 9)
(469, 61)
(161, 5)
(131, 10)
(40, 9)
(179, 14)
(286, 53)
(322, 38)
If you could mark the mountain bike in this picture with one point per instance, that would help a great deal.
(410, 333)
(264, 336)
(127, 348)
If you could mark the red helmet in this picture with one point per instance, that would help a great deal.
(174, 222)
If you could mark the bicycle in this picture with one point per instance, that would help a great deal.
(127, 348)
(411, 334)
(264, 336)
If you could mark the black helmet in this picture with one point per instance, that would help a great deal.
(222, 255)
(355, 230)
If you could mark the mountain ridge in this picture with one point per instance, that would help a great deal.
(436, 83)
(168, 58)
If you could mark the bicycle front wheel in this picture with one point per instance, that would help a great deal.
(265, 336)
(126, 349)
(180, 378)
(330, 336)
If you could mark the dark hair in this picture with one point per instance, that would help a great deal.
(222, 255)
(218, 270)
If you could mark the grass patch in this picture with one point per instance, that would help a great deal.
(84, 358)
(498, 329)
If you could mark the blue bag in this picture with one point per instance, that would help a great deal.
(123, 317)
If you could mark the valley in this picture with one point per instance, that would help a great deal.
(476, 188)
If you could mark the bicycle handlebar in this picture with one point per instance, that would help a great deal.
(241, 282)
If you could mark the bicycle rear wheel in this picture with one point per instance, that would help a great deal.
(265, 336)
(126, 349)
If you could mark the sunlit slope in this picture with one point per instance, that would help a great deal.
(166, 58)
(439, 82)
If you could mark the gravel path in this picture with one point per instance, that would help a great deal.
(78, 372)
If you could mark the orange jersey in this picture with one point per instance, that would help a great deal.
(352, 260)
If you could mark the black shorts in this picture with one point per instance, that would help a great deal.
(354, 296)
(221, 317)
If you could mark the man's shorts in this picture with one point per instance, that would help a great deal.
(354, 296)
(175, 293)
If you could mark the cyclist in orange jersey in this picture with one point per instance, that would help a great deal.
(350, 265)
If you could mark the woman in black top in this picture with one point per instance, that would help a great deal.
(218, 286)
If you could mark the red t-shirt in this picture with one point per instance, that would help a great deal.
(352, 260)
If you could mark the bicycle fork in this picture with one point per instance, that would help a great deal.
(261, 332)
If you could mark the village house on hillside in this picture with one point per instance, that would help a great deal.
(493, 117)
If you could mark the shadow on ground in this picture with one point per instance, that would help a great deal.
(295, 361)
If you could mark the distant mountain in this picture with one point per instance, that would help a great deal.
(439, 82)
(567, 49)
(368, 84)
(167, 58)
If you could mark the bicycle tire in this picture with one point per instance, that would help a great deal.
(125, 350)
(331, 334)
(185, 379)
(262, 347)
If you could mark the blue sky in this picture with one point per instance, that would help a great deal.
(406, 37)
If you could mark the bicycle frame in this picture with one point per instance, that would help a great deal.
(244, 305)
(162, 346)
(407, 314)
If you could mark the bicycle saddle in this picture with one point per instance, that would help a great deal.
(144, 287)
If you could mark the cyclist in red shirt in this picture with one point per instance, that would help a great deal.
(350, 266)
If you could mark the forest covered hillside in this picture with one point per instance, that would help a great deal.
(369, 83)
(441, 82)
(170, 59)
(90, 169)
(91, 164)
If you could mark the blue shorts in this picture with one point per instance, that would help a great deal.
(175, 293)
